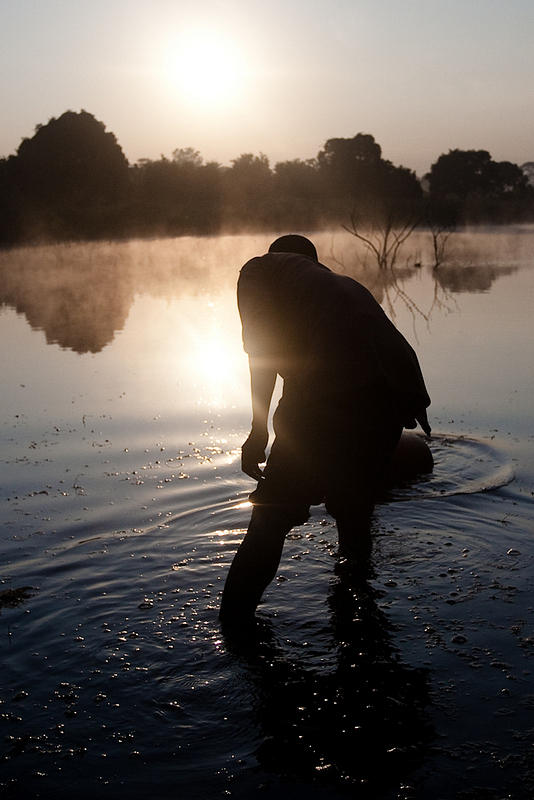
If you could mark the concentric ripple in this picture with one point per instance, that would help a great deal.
(462, 465)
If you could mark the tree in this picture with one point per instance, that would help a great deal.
(348, 170)
(382, 202)
(384, 238)
(440, 233)
(187, 157)
(72, 176)
(358, 183)
(474, 188)
(528, 169)
(178, 196)
(459, 173)
(10, 202)
(248, 192)
(347, 156)
(297, 195)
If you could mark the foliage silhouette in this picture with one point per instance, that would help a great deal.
(174, 197)
(71, 181)
(80, 295)
(467, 186)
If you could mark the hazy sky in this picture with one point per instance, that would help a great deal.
(276, 76)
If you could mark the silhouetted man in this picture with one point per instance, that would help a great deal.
(351, 383)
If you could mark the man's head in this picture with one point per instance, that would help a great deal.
(293, 243)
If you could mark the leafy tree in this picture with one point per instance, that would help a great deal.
(348, 169)
(459, 173)
(347, 156)
(173, 197)
(154, 196)
(72, 180)
(72, 176)
(469, 186)
(297, 195)
(10, 203)
(359, 183)
(381, 201)
(187, 157)
(528, 169)
(248, 192)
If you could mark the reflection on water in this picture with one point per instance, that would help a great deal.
(81, 295)
(470, 278)
(122, 503)
(359, 723)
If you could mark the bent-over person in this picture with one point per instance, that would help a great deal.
(351, 383)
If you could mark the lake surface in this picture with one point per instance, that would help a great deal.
(124, 405)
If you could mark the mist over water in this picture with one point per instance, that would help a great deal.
(125, 403)
(80, 295)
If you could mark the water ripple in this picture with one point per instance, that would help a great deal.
(462, 465)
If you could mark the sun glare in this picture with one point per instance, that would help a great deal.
(215, 360)
(206, 68)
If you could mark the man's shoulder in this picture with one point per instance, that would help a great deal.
(281, 271)
(270, 261)
(253, 263)
(291, 278)
(253, 277)
(256, 267)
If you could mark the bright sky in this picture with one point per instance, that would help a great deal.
(276, 76)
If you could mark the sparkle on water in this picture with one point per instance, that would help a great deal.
(125, 402)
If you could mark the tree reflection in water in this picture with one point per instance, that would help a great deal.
(388, 286)
(80, 295)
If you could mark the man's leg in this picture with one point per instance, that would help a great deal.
(351, 502)
(352, 514)
(256, 562)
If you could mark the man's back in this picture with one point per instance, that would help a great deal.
(304, 319)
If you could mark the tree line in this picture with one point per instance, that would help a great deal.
(71, 180)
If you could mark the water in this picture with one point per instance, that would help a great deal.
(125, 402)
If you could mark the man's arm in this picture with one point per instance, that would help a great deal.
(262, 380)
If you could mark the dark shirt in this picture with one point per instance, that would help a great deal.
(312, 325)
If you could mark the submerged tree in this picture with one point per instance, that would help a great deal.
(386, 217)
(383, 239)
(440, 236)
(441, 220)
(381, 201)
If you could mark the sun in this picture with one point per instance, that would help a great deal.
(206, 67)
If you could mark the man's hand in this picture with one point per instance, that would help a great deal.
(422, 419)
(253, 453)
